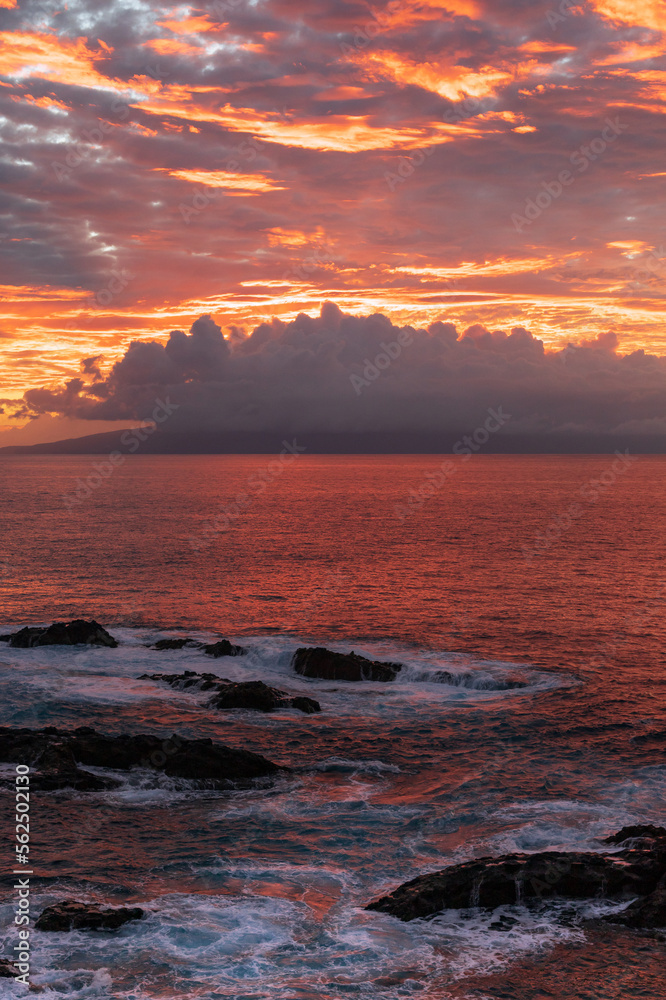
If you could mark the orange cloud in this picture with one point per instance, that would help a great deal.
(171, 46)
(448, 80)
(234, 183)
(343, 133)
(187, 26)
(26, 54)
(404, 13)
(645, 13)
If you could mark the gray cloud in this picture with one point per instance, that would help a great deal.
(339, 373)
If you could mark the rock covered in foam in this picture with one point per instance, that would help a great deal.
(646, 912)
(71, 915)
(645, 832)
(515, 878)
(56, 768)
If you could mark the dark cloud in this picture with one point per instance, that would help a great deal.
(115, 98)
(339, 373)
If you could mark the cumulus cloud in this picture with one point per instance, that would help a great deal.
(338, 373)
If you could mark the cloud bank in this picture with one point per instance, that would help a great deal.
(337, 373)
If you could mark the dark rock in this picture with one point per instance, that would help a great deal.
(476, 682)
(215, 764)
(307, 705)
(257, 695)
(492, 882)
(254, 695)
(320, 662)
(175, 643)
(189, 679)
(75, 633)
(70, 915)
(649, 911)
(646, 832)
(5, 638)
(7, 969)
(223, 648)
(57, 768)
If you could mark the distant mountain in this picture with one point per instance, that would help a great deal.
(379, 443)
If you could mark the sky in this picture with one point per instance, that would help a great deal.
(242, 203)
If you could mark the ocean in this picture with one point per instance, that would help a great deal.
(477, 574)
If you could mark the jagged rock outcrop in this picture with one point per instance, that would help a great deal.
(56, 768)
(75, 633)
(317, 661)
(212, 764)
(516, 878)
(223, 648)
(163, 644)
(646, 912)
(254, 695)
(645, 832)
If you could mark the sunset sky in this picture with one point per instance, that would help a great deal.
(253, 159)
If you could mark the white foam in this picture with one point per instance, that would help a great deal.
(46, 676)
(255, 945)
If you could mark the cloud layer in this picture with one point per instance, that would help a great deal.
(345, 374)
(253, 159)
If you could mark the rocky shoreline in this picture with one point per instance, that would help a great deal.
(636, 874)
(59, 757)
(630, 868)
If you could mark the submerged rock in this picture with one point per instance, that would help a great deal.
(78, 632)
(223, 648)
(214, 764)
(7, 969)
(650, 911)
(515, 878)
(645, 832)
(317, 661)
(176, 643)
(56, 768)
(477, 682)
(230, 694)
(71, 915)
